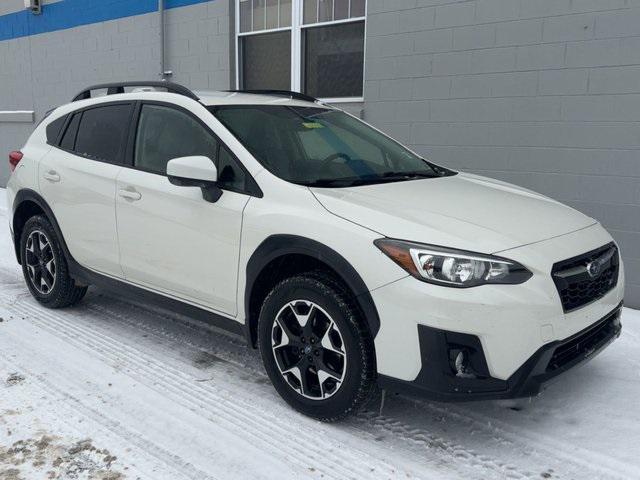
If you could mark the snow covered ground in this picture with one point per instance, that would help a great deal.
(113, 390)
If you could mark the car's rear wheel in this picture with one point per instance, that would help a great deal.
(45, 267)
(316, 347)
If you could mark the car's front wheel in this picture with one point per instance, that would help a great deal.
(44, 266)
(316, 347)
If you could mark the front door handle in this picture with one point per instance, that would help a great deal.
(52, 176)
(130, 194)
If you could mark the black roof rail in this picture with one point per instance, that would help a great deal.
(279, 93)
(118, 87)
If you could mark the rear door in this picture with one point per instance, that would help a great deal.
(171, 239)
(78, 180)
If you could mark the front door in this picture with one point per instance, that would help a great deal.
(171, 239)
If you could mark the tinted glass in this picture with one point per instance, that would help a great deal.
(165, 133)
(69, 139)
(266, 61)
(103, 132)
(321, 147)
(334, 60)
(53, 129)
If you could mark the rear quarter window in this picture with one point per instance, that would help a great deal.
(53, 129)
(68, 140)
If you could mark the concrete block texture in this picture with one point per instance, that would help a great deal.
(42, 71)
(541, 93)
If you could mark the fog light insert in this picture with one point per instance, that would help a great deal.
(460, 365)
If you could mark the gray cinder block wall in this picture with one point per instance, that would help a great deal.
(42, 71)
(541, 93)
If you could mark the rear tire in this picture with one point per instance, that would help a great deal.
(316, 347)
(45, 267)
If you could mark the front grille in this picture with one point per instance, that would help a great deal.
(586, 278)
(585, 343)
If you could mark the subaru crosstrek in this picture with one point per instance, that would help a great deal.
(347, 259)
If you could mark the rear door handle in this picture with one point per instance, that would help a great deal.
(52, 176)
(130, 194)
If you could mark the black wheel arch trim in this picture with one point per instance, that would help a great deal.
(28, 195)
(89, 277)
(280, 245)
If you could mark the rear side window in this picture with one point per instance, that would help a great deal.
(69, 138)
(53, 129)
(102, 132)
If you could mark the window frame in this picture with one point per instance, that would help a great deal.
(252, 189)
(297, 53)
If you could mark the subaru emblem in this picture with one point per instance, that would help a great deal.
(593, 268)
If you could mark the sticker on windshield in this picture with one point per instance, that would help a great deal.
(312, 125)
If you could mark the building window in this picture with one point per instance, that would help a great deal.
(310, 46)
(266, 61)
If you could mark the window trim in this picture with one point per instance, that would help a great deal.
(297, 63)
(253, 189)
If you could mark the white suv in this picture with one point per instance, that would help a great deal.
(347, 259)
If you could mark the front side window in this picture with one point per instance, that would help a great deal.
(311, 46)
(102, 132)
(317, 146)
(165, 133)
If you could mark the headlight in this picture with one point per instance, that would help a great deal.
(452, 268)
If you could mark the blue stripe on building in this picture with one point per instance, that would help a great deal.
(73, 13)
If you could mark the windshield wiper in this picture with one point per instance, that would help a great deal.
(409, 175)
(369, 179)
(336, 182)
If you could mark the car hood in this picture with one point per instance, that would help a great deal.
(463, 211)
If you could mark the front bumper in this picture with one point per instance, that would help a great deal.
(511, 323)
(438, 379)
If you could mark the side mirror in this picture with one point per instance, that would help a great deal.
(197, 171)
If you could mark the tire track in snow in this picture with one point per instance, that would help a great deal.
(405, 432)
(381, 423)
(186, 470)
(583, 459)
(580, 458)
(198, 398)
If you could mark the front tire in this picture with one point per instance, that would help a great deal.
(316, 347)
(45, 267)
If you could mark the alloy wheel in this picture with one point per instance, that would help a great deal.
(309, 350)
(40, 262)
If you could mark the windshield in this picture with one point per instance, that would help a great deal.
(321, 147)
